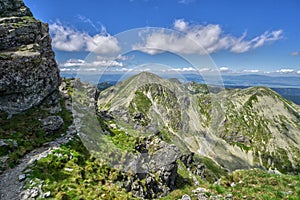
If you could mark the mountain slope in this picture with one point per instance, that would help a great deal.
(260, 120)
(237, 128)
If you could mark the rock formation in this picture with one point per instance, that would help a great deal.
(28, 71)
(155, 168)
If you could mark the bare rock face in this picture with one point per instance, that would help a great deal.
(15, 8)
(28, 71)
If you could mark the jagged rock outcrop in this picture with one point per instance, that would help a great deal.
(28, 70)
(9, 8)
(154, 169)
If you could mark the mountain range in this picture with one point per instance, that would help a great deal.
(237, 128)
(287, 86)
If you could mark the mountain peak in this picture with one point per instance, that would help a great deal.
(146, 76)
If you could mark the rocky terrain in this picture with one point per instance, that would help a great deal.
(239, 129)
(28, 70)
(145, 138)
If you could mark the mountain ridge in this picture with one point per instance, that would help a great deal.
(206, 123)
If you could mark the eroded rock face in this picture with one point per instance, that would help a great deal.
(13, 8)
(28, 71)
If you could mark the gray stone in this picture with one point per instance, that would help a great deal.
(25, 195)
(13, 8)
(34, 192)
(22, 177)
(28, 70)
(200, 190)
(229, 196)
(46, 195)
(52, 123)
(156, 166)
(3, 143)
(164, 157)
(186, 197)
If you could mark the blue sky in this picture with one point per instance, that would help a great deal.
(240, 36)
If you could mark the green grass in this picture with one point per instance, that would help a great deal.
(257, 184)
(85, 177)
(25, 130)
(123, 141)
(92, 179)
(213, 171)
(140, 103)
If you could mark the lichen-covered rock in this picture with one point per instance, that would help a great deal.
(28, 71)
(52, 123)
(155, 169)
(13, 8)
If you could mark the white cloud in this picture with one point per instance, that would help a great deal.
(285, 71)
(103, 44)
(224, 69)
(73, 63)
(186, 1)
(67, 39)
(180, 24)
(201, 39)
(184, 69)
(89, 21)
(240, 45)
(206, 70)
(295, 53)
(251, 71)
(123, 69)
(100, 62)
(68, 69)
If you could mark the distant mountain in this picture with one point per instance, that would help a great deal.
(238, 128)
(262, 80)
(287, 86)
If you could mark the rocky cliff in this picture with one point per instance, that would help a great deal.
(28, 71)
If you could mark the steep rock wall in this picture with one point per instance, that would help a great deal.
(28, 71)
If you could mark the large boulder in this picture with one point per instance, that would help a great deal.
(154, 169)
(28, 70)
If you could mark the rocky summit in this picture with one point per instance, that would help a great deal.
(28, 70)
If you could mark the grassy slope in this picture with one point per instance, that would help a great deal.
(25, 130)
(89, 178)
(72, 173)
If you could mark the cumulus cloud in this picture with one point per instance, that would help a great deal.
(180, 24)
(68, 39)
(202, 39)
(295, 53)
(103, 44)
